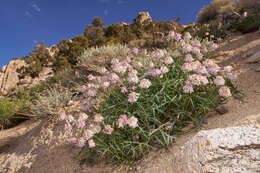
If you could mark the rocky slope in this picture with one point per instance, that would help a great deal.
(11, 76)
(226, 139)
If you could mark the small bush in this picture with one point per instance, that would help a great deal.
(101, 56)
(143, 99)
(50, 101)
(249, 24)
(14, 109)
(206, 14)
(247, 4)
(213, 31)
(7, 111)
(215, 8)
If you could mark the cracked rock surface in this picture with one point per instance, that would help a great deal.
(226, 150)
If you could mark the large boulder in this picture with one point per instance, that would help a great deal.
(234, 149)
(9, 77)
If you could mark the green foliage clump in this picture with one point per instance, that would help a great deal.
(38, 58)
(119, 34)
(68, 52)
(213, 30)
(94, 32)
(7, 111)
(15, 108)
(249, 24)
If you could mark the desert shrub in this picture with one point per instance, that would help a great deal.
(68, 78)
(49, 102)
(68, 52)
(101, 56)
(15, 109)
(206, 14)
(19, 107)
(7, 111)
(215, 8)
(94, 32)
(212, 31)
(38, 58)
(144, 99)
(249, 24)
(247, 4)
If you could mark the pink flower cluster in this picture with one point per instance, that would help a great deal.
(202, 72)
(131, 75)
(123, 120)
(82, 128)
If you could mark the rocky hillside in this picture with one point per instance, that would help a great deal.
(229, 137)
(30, 70)
(11, 76)
(159, 96)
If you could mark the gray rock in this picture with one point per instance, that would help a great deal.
(254, 58)
(221, 109)
(234, 149)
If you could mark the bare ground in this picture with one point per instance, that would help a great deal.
(37, 146)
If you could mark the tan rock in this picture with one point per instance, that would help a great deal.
(250, 121)
(9, 76)
(26, 80)
(234, 149)
(143, 16)
(43, 75)
(254, 58)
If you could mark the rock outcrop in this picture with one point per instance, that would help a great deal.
(9, 77)
(143, 17)
(234, 149)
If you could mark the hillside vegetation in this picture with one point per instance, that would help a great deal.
(137, 85)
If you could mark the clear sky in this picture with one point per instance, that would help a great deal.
(24, 23)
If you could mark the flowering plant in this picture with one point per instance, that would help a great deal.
(144, 99)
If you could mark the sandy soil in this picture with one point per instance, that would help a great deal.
(37, 147)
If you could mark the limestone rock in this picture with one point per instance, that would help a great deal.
(9, 76)
(143, 16)
(254, 58)
(234, 149)
(251, 121)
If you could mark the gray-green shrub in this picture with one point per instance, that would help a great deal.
(49, 102)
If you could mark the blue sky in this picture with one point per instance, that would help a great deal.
(24, 23)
